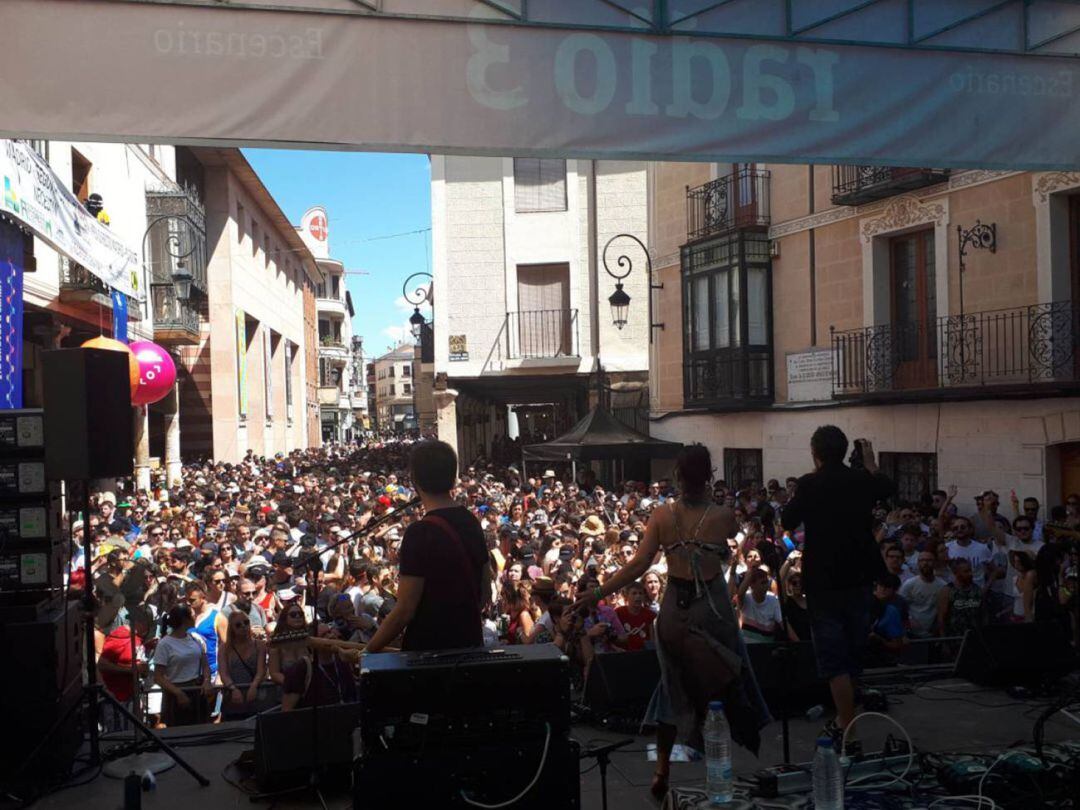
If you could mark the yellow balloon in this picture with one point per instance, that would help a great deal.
(117, 346)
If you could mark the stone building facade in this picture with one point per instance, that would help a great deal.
(862, 318)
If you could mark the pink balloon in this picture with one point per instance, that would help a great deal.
(157, 372)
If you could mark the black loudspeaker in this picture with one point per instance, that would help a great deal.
(1015, 654)
(787, 676)
(622, 681)
(40, 684)
(88, 408)
(518, 772)
(285, 746)
(454, 728)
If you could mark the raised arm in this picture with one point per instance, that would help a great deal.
(630, 572)
(943, 513)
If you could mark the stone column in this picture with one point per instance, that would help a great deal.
(172, 440)
(446, 416)
(142, 447)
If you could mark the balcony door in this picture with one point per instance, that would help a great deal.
(744, 190)
(543, 317)
(914, 310)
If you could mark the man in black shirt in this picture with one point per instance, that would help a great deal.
(841, 561)
(444, 571)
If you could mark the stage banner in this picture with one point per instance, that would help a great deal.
(241, 363)
(300, 75)
(35, 196)
(11, 316)
(120, 316)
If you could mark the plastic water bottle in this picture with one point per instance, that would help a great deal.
(718, 755)
(828, 777)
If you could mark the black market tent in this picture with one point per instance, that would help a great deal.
(599, 436)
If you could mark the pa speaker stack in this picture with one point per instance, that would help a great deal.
(458, 728)
(41, 638)
(31, 542)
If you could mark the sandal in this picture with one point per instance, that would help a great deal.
(659, 786)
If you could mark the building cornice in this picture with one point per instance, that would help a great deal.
(834, 214)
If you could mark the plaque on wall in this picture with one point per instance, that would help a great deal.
(458, 347)
(809, 376)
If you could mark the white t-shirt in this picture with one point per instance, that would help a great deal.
(764, 616)
(922, 602)
(180, 657)
(977, 553)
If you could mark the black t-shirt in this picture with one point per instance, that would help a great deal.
(449, 611)
(798, 618)
(835, 505)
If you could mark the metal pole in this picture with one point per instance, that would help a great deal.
(88, 613)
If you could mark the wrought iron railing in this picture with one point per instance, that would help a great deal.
(1030, 344)
(736, 377)
(855, 185)
(170, 314)
(737, 200)
(176, 234)
(541, 333)
(331, 342)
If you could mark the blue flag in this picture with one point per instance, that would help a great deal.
(119, 316)
(11, 317)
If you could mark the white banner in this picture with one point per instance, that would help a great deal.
(35, 196)
(142, 71)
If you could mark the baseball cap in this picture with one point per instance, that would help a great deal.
(281, 558)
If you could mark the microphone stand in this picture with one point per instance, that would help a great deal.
(315, 783)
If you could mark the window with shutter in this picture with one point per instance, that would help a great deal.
(544, 317)
(539, 185)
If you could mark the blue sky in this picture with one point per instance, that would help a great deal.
(369, 199)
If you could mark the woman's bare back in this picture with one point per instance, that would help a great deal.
(679, 521)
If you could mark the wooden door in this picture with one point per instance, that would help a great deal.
(1070, 469)
(914, 310)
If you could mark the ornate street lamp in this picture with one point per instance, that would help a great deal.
(182, 279)
(620, 299)
(417, 297)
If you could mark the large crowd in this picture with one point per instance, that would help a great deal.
(220, 577)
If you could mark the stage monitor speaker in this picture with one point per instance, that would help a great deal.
(88, 412)
(285, 746)
(621, 681)
(1015, 654)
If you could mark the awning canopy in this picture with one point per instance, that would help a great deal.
(599, 435)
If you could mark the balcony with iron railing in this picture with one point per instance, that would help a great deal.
(856, 185)
(737, 200)
(176, 236)
(542, 334)
(79, 287)
(175, 321)
(959, 354)
(334, 348)
(732, 378)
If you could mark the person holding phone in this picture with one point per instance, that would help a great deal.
(841, 561)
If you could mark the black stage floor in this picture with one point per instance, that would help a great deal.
(944, 715)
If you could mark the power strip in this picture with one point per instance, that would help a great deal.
(783, 780)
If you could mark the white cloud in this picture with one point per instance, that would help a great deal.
(397, 333)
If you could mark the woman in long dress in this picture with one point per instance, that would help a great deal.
(702, 655)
